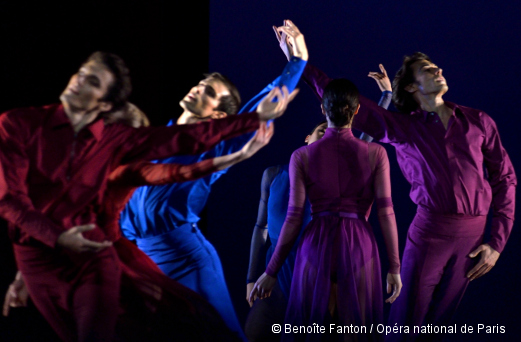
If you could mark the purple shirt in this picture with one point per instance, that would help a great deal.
(444, 166)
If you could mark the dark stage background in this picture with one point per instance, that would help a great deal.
(168, 47)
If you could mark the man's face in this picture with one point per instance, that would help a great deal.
(317, 134)
(88, 86)
(204, 98)
(429, 79)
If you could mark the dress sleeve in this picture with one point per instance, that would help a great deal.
(15, 206)
(503, 181)
(293, 222)
(146, 173)
(386, 217)
(150, 143)
(259, 239)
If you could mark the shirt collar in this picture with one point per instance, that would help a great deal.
(456, 111)
(60, 118)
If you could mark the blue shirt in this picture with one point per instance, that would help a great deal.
(155, 210)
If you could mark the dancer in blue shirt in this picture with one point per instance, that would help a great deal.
(163, 219)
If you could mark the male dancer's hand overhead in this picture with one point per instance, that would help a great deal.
(291, 41)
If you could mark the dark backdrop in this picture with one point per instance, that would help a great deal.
(168, 48)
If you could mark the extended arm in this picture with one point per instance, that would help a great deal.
(290, 230)
(372, 119)
(146, 173)
(503, 181)
(387, 220)
(259, 239)
(289, 78)
(161, 142)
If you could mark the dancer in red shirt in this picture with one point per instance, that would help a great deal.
(148, 295)
(56, 161)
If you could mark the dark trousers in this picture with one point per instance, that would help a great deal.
(77, 294)
(434, 268)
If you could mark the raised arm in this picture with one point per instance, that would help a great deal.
(287, 35)
(386, 218)
(259, 238)
(161, 142)
(289, 78)
(290, 230)
(383, 82)
(372, 119)
(503, 181)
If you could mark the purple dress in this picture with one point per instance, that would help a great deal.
(342, 176)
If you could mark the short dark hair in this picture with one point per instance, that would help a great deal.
(120, 89)
(229, 103)
(316, 126)
(129, 115)
(402, 99)
(340, 101)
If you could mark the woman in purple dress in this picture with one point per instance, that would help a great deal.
(337, 280)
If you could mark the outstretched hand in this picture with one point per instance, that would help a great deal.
(74, 241)
(262, 288)
(16, 295)
(381, 79)
(275, 103)
(394, 284)
(261, 138)
(488, 259)
(291, 40)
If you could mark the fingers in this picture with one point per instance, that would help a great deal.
(478, 250)
(475, 269)
(277, 34)
(270, 131)
(7, 302)
(93, 246)
(382, 69)
(293, 94)
(396, 293)
(275, 92)
(82, 228)
(253, 295)
(376, 75)
(481, 272)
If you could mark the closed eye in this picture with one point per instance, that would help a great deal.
(208, 90)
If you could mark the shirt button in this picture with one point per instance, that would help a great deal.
(431, 113)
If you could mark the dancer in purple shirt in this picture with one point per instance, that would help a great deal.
(441, 148)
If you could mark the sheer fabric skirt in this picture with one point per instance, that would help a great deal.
(341, 252)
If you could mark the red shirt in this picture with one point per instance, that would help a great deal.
(56, 178)
(126, 178)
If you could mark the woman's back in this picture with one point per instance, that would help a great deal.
(339, 172)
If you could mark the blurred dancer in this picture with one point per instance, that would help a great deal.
(56, 161)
